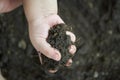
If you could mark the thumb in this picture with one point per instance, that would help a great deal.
(45, 48)
(49, 51)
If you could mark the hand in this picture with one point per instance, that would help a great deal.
(40, 20)
(39, 32)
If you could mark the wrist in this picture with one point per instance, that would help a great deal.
(39, 8)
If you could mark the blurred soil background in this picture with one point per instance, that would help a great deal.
(96, 24)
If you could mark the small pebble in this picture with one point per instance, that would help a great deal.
(96, 74)
(22, 44)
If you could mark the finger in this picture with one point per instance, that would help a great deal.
(47, 50)
(72, 36)
(53, 71)
(69, 63)
(72, 49)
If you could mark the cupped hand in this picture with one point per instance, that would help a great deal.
(39, 26)
(38, 31)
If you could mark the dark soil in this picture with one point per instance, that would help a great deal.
(58, 39)
(97, 26)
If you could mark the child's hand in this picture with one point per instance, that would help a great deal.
(41, 15)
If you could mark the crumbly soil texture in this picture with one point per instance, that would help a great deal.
(58, 39)
(96, 24)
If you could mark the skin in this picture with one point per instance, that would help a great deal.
(41, 16)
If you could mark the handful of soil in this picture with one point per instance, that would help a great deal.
(58, 39)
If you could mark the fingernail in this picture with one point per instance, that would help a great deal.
(53, 71)
(72, 49)
(57, 56)
(69, 62)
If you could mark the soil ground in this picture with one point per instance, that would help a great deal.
(96, 24)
